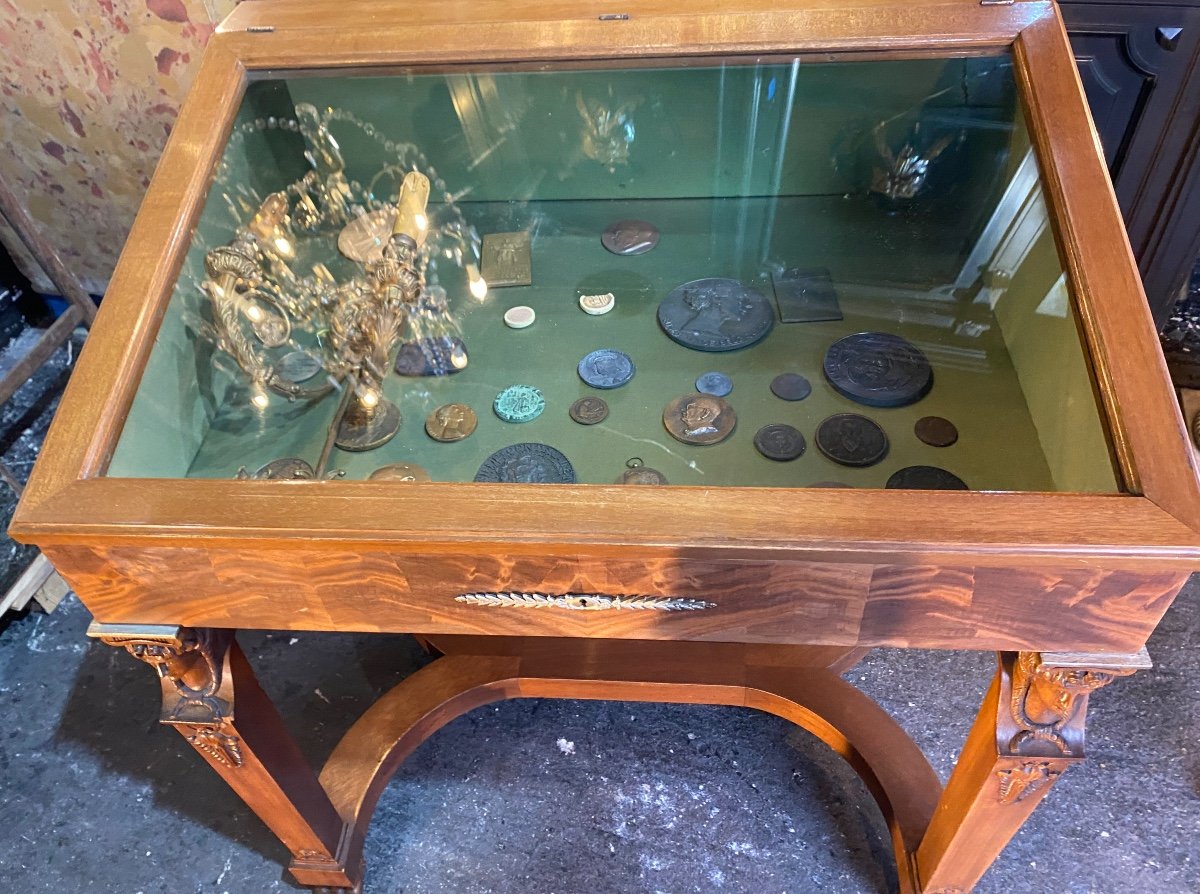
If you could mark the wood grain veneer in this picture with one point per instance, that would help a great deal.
(753, 601)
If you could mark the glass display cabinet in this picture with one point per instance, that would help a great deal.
(623, 353)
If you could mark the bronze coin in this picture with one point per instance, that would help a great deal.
(779, 442)
(290, 469)
(589, 410)
(878, 369)
(528, 463)
(451, 422)
(936, 431)
(791, 386)
(642, 475)
(399, 472)
(851, 440)
(630, 237)
(699, 419)
(925, 478)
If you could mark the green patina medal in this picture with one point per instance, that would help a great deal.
(519, 403)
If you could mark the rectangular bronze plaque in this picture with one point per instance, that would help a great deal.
(805, 296)
(506, 259)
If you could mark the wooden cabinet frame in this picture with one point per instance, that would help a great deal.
(1034, 575)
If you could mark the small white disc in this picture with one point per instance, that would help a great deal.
(519, 317)
(597, 304)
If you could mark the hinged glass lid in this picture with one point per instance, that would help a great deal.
(752, 273)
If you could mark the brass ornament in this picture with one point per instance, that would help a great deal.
(585, 601)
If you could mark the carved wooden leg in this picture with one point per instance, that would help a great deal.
(1028, 732)
(210, 695)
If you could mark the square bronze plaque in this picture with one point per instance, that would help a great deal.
(506, 259)
(805, 296)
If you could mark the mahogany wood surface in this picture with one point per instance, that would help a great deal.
(1103, 273)
(897, 774)
(782, 602)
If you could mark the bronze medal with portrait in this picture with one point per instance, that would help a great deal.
(528, 463)
(701, 419)
(715, 315)
(878, 369)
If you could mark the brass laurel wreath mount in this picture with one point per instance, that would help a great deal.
(586, 601)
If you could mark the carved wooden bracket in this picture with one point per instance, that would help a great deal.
(1047, 697)
(1042, 713)
(197, 687)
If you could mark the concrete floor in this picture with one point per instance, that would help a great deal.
(566, 797)
(542, 797)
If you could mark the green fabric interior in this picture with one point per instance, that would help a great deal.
(705, 165)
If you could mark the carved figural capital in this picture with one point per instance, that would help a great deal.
(197, 687)
(191, 665)
(1047, 701)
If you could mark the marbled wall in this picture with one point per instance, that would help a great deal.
(90, 90)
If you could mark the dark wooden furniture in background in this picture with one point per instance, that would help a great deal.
(1140, 65)
(1065, 586)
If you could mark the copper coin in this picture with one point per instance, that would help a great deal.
(936, 431)
(399, 472)
(699, 419)
(851, 440)
(630, 237)
(779, 442)
(925, 478)
(589, 410)
(451, 422)
(791, 386)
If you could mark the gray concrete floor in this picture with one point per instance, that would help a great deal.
(541, 797)
(565, 797)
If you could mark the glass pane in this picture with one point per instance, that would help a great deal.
(851, 260)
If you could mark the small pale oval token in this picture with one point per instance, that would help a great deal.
(925, 478)
(519, 317)
(519, 403)
(714, 383)
(936, 431)
(791, 386)
(597, 304)
(399, 472)
(589, 410)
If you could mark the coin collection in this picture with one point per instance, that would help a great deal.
(712, 315)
